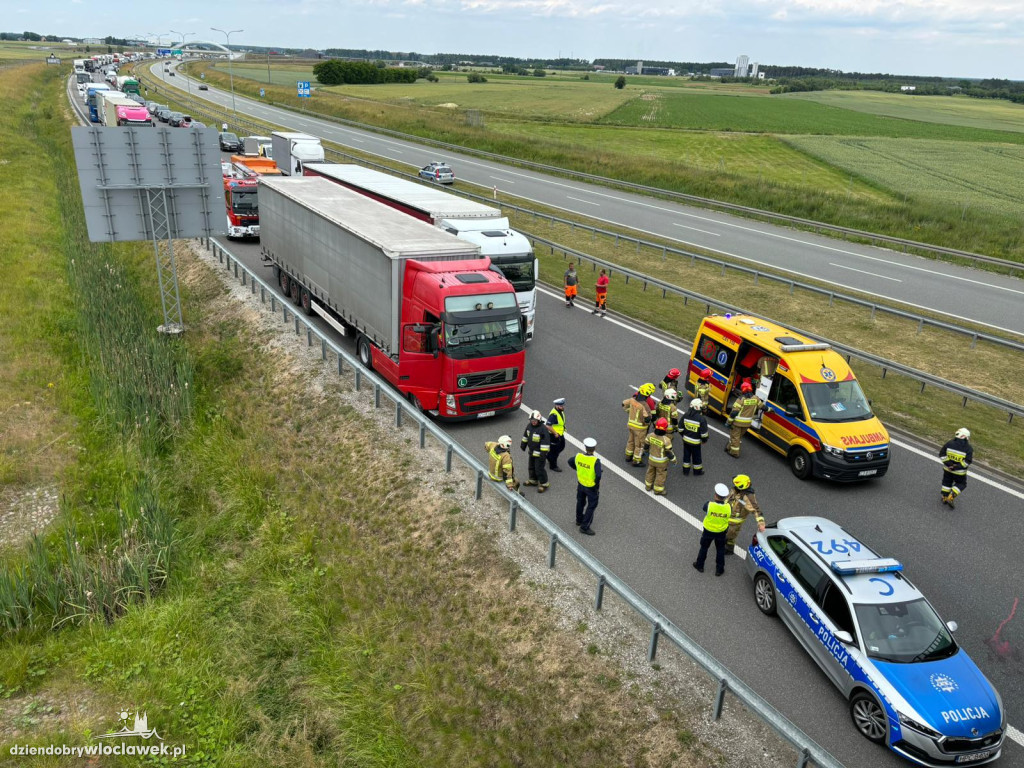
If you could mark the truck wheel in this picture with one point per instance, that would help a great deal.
(285, 282)
(307, 301)
(295, 289)
(800, 463)
(363, 351)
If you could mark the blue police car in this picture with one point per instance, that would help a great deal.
(910, 686)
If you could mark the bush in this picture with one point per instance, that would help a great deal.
(538, 72)
(476, 77)
(335, 72)
(620, 82)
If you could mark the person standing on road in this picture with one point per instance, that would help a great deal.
(702, 390)
(668, 410)
(694, 429)
(956, 456)
(671, 380)
(571, 282)
(537, 440)
(742, 504)
(601, 294)
(556, 425)
(588, 485)
(659, 448)
(716, 522)
(501, 468)
(743, 412)
(639, 417)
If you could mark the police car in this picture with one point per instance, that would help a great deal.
(910, 686)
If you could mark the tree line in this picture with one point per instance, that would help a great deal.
(337, 72)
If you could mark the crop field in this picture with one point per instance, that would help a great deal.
(949, 110)
(709, 111)
(989, 177)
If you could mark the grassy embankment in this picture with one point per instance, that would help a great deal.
(898, 401)
(308, 607)
(701, 151)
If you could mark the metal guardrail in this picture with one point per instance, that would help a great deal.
(922, 377)
(808, 751)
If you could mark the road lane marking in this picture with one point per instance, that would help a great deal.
(864, 272)
(578, 200)
(503, 181)
(704, 231)
(1014, 734)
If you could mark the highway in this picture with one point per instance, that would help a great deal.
(965, 561)
(960, 293)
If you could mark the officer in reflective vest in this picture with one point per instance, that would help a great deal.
(588, 485)
(668, 410)
(639, 417)
(743, 412)
(537, 440)
(742, 503)
(659, 446)
(694, 428)
(716, 522)
(556, 426)
(502, 469)
(956, 456)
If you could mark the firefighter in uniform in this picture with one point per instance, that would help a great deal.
(556, 426)
(694, 429)
(588, 485)
(956, 455)
(743, 412)
(659, 448)
(742, 504)
(702, 390)
(668, 410)
(537, 440)
(501, 468)
(639, 418)
(716, 521)
(671, 380)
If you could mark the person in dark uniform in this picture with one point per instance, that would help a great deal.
(588, 485)
(956, 455)
(537, 441)
(716, 523)
(556, 425)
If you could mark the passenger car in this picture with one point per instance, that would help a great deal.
(163, 114)
(876, 637)
(178, 120)
(229, 142)
(204, 87)
(154, 107)
(438, 172)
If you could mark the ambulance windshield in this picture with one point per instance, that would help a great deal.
(836, 401)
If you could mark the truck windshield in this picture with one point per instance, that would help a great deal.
(243, 202)
(904, 633)
(836, 401)
(518, 272)
(493, 337)
(83, 77)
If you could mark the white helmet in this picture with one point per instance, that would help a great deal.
(505, 441)
(537, 415)
(721, 490)
(963, 433)
(697, 403)
(590, 443)
(671, 395)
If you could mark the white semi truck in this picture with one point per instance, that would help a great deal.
(294, 150)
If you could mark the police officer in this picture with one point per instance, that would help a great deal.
(743, 412)
(671, 380)
(556, 426)
(639, 418)
(659, 448)
(716, 522)
(588, 485)
(668, 410)
(694, 429)
(702, 390)
(501, 468)
(742, 504)
(956, 455)
(537, 438)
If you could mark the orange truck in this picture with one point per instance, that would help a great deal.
(247, 166)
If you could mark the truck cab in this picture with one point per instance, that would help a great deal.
(242, 206)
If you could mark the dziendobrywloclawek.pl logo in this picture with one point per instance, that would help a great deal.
(132, 737)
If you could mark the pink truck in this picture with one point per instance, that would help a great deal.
(118, 109)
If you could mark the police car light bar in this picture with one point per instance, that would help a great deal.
(880, 565)
(804, 347)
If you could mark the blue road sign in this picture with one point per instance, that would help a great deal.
(303, 88)
(262, 93)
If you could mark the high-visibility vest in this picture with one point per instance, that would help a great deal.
(958, 459)
(498, 462)
(670, 413)
(745, 410)
(660, 445)
(639, 413)
(703, 391)
(585, 473)
(717, 518)
(559, 426)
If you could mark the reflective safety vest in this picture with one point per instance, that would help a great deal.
(955, 462)
(670, 413)
(717, 518)
(639, 413)
(661, 448)
(703, 391)
(695, 428)
(501, 468)
(585, 474)
(745, 410)
(559, 426)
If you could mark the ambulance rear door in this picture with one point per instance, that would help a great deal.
(716, 351)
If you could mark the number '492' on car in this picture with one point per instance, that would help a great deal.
(909, 684)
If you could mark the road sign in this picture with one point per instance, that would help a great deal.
(303, 88)
(262, 93)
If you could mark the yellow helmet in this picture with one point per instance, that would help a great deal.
(647, 389)
(741, 482)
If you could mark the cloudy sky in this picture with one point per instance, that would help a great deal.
(969, 38)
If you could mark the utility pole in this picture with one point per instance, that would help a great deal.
(188, 82)
(231, 71)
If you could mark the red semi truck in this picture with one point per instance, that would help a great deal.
(427, 312)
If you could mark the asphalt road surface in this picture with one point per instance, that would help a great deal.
(958, 292)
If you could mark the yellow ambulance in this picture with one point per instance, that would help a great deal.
(814, 413)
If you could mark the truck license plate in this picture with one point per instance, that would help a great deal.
(867, 472)
(975, 757)
(485, 414)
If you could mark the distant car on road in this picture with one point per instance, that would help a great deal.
(438, 172)
(178, 120)
(909, 684)
(229, 142)
(171, 74)
(204, 87)
(163, 114)
(154, 107)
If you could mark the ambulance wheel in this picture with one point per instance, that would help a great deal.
(800, 462)
(363, 351)
(868, 717)
(764, 594)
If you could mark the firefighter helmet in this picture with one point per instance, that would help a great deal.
(696, 403)
(746, 387)
(741, 482)
(505, 441)
(673, 374)
(963, 433)
(661, 423)
(646, 389)
(536, 416)
(705, 374)
(671, 395)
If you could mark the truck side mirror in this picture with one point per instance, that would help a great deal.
(435, 332)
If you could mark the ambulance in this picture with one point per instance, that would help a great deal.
(814, 412)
